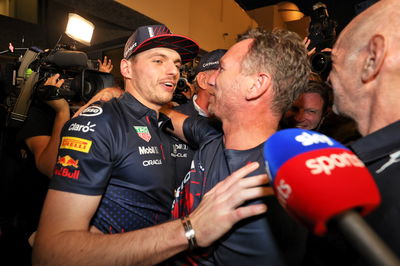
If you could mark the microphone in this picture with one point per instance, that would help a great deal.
(317, 180)
(67, 58)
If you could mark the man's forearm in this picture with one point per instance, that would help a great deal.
(47, 159)
(145, 247)
(63, 236)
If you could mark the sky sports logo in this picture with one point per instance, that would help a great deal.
(307, 139)
(326, 164)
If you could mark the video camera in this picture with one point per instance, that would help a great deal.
(187, 75)
(81, 78)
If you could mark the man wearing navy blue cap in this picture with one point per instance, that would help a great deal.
(198, 106)
(208, 64)
(114, 172)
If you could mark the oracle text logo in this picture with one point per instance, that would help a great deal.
(152, 162)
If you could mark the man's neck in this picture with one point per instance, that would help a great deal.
(198, 108)
(247, 134)
(148, 104)
(383, 110)
(202, 102)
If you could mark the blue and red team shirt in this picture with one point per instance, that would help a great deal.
(118, 149)
(262, 240)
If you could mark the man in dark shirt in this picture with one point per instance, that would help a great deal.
(114, 172)
(198, 106)
(257, 80)
(365, 79)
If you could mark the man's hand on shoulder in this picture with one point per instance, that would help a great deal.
(104, 95)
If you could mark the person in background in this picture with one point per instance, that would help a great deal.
(309, 109)
(209, 63)
(198, 106)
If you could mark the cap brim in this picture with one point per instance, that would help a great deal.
(185, 47)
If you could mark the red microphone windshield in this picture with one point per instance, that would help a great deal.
(317, 185)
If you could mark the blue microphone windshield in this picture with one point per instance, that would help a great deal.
(288, 143)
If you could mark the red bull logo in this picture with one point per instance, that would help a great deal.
(67, 173)
(67, 161)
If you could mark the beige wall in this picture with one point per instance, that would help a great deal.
(212, 23)
(269, 18)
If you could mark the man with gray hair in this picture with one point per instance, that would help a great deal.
(258, 79)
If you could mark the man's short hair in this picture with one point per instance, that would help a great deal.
(282, 54)
(323, 90)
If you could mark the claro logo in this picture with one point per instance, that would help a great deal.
(325, 164)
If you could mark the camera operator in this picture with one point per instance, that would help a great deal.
(37, 142)
(42, 127)
(320, 39)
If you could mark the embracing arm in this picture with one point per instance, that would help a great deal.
(177, 120)
(64, 237)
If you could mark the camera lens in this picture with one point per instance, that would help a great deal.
(320, 62)
(182, 85)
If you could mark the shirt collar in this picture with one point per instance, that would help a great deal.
(197, 107)
(379, 144)
(140, 111)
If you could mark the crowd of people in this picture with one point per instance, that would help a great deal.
(133, 180)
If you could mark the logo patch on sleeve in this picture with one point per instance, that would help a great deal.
(143, 132)
(92, 111)
(77, 144)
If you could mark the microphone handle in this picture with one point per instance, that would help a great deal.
(365, 240)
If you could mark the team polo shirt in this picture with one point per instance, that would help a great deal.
(118, 149)
(266, 239)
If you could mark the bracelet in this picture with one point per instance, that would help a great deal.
(189, 232)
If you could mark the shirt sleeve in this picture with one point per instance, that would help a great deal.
(85, 154)
(198, 129)
(39, 122)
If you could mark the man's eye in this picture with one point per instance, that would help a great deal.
(157, 61)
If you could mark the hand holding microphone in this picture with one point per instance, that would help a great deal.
(318, 180)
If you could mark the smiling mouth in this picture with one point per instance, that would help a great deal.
(169, 84)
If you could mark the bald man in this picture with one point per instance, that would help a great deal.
(365, 77)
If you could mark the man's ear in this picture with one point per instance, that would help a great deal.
(261, 84)
(125, 67)
(376, 50)
(202, 80)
